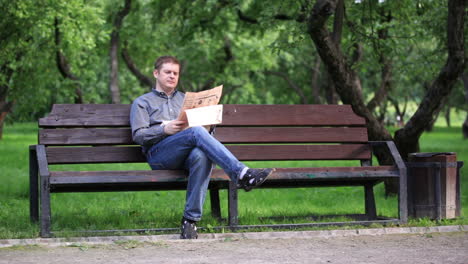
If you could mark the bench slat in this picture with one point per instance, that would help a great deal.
(87, 136)
(108, 154)
(285, 115)
(105, 154)
(300, 152)
(291, 134)
(122, 136)
(87, 115)
(80, 177)
(117, 115)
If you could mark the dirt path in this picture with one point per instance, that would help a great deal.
(401, 248)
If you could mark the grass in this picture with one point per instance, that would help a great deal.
(129, 210)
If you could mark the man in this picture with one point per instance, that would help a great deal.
(168, 145)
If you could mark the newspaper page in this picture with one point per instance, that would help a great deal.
(204, 116)
(203, 99)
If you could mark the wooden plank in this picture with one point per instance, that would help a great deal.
(334, 172)
(87, 115)
(291, 134)
(105, 154)
(300, 152)
(286, 115)
(79, 177)
(122, 136)
(86, 136)
(141, 176)
(115, 115)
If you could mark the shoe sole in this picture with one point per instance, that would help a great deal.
(249, 188)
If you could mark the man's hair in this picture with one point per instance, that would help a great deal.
(165, 59)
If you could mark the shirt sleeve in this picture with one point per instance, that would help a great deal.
(142, 132)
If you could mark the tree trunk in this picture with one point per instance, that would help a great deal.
(385, 85)
(465, 124)
(386, 66)
(407, 138)
(345, 79)
(5, 105)
(114, 49)
(63, 65)
(400, 114)
(5, 108)
(114, 68)
(314, 84)
(447, 116)
(465, 127)
(330, 92)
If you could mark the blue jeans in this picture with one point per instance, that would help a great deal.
(194, 150)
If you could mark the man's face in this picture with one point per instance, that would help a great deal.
(167, 76)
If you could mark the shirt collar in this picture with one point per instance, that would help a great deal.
(163, 94)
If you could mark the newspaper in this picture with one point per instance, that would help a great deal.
(201, 108)
(204, 116)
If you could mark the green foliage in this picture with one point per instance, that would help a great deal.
(28, 47)
(235, 43)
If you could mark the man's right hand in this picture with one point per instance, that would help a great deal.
(174, 126)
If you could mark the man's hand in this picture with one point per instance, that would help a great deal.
(174, 126)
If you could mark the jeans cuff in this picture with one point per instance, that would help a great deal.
(191, 218)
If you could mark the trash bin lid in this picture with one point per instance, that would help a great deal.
(430, 154)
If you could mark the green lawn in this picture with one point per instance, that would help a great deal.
(128, 210)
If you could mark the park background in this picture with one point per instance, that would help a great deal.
(400, 64)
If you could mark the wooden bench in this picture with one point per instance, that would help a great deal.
(79, 134)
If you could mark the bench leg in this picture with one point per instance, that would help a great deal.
(232, 204)
(371, 211)
(215, 205)
(33, 186)
(45, 207)
(403, 197)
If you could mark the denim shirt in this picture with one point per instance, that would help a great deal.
(149, 111)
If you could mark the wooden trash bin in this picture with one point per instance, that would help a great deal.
(434, 185)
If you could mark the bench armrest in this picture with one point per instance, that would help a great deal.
(390, 146)
(41, 160)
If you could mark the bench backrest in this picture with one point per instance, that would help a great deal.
(100, 133)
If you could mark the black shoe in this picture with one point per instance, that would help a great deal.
(254, 178)
(188, 229)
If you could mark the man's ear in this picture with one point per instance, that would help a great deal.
(156, 73)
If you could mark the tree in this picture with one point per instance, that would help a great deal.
(348, 83)
(407, 138)
(114, 52)
(34, 70)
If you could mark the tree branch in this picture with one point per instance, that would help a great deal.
(300, 18)
(63, 65)
(291, 84)
(385, 86)
(62, 62)
(143, 79)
